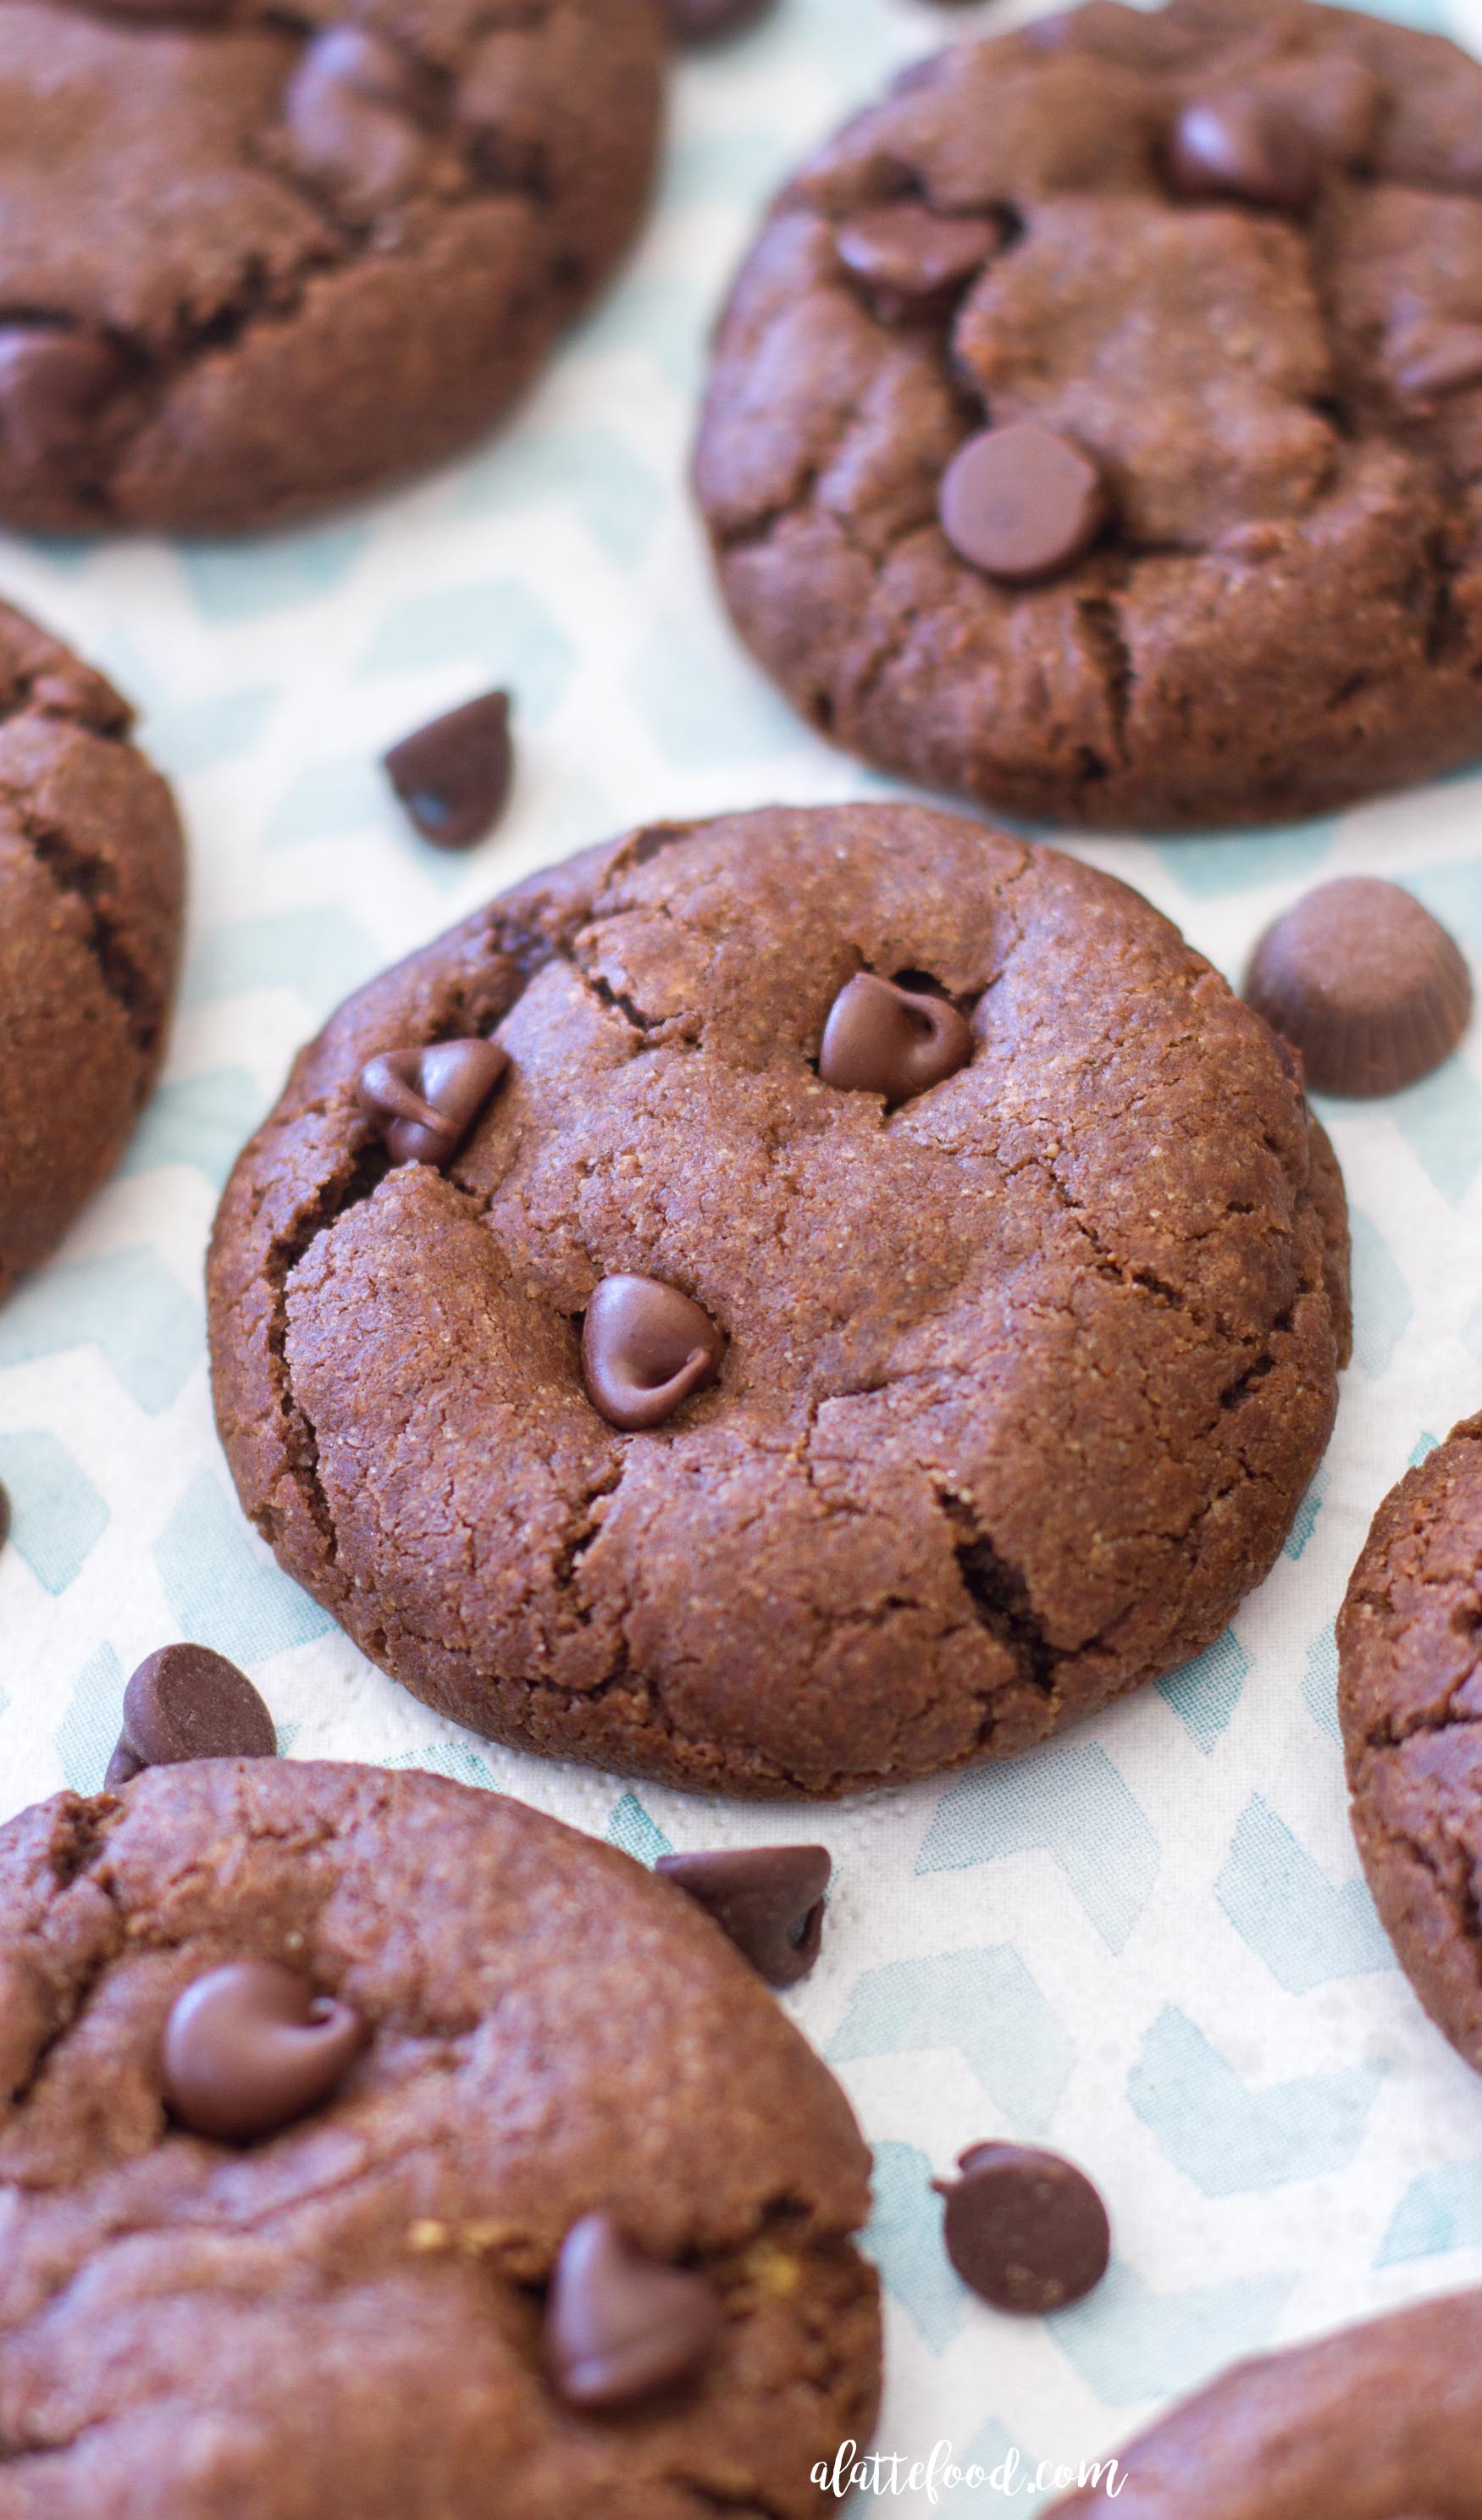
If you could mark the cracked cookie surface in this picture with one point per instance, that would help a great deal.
(343, 2321)
(1022, 1377)
(1284, 613)
(255, 259)
(1410, 1698)
(91, 885)
(1375, 2421)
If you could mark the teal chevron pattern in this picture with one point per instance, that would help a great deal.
(1071, 1803)
(1147, 1944)
(983, 2003)
(1231, 2141)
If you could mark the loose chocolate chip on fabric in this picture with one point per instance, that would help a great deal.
(707, 22)
(882, 1038)
(51, 385)
(644, 1347)
(1021, 502)
(424, 1101)
(1364, 983)
(185, 1702)
(251, 2047)
(1026, 2229)
(908, 255)
(769, 1900)
(1437, 360)
(620, 2325)
(1245, 148)
(453, 777)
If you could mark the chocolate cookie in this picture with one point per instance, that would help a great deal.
(657, 1392)
(1375, 2422)
(259, 257)
(1095, 429)
(91, 885)
(1410, 1697)
(365, 2138)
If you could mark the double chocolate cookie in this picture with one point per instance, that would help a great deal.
(1410, 1698)
(370, 2147)
(785, 1303)
(1379, 2422)
(255, 258)
(1095, 429)
(91, 887)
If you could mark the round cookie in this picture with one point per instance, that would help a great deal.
(1410, 1699)
(1094, 427)
(263, 258)
(91, 899)
(1376, 2421)
(351, 2318)
(979, 1401)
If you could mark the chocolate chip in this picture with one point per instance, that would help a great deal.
(453, 777)
(644, 1347)
(769, 1900)
(424, 1101)
(347, 113)
(882, 1038)
(1437, 360)
(909, 257)
(5, 1515)
(1245, 148)
(51, 385)
(620, 2325)
(185, 1702)
(1026, 2229)
(122, 1768)
(1021, 502)
(1364, 982)
(251, 2047)
(707, 22)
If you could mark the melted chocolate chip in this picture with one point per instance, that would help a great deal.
(644, 1347)
(1026, 2229)
(1021, 502)
(453, 777)
(347, 114)
(707, 22)
(185, 1702)
(620, 2325)
(882, 1038)
(1362, 980)
(1245, 148)
(51, 385)
(769, 1900)
(251, 2047)
(909, 257)
(424, 1101)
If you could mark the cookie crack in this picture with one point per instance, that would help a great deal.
(1001, 1597)
(84, 877)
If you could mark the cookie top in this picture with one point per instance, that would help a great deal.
(986, 1397)
(1376, 2421)
(91, 896)
(1210, 274)
(263, 258)
(1410, 1698)
(345, 2317)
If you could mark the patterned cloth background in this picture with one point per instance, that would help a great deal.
(1149, 1946)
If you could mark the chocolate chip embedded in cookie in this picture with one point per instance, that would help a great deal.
(1095, 425)
(372, 237)
(365, 2137)
(1384, 2419)
(91, 898)
(890, 1306)
(1410, 1699)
